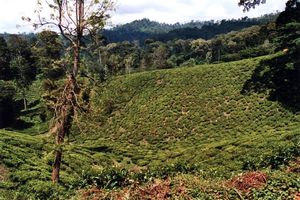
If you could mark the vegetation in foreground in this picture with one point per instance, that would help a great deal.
(197, 124)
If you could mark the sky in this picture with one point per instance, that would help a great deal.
(168, 11)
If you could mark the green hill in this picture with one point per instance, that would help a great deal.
(192, 121)
(194, 115)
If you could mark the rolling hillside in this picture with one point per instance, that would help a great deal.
(194, 115)
(192, 124)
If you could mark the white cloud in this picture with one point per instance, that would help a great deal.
(169, 11)
(11, 12)
(172, 11)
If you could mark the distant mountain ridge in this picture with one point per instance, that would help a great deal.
(140, 30)
(147, 26)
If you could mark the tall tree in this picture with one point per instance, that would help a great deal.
(24, 76)
(47, 51)
(74, 19)
(22, 64)
(281, 74)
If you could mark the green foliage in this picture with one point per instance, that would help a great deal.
(280, 74)
(5, 71)
(280, 186)
(25, 73)
(29, 168)
(21, 64)
(8, 111)
(47, 52)
(141, 30)
(279, 157)
(109, 178)
(120, 58)
(117, 177)
(193, 115)
(127, 57)
(190, 63)
(42, 190)
(163, 123)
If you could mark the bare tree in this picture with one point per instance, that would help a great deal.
(74, 19)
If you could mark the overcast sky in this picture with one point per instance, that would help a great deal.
(169, 11)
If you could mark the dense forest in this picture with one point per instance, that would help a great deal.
(148, 110)
(143, 29)
(125, 57)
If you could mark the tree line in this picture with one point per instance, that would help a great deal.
(23, 59)
(280, 75)
(126, 57)
(140, 30)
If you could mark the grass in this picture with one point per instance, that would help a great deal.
(154, 123)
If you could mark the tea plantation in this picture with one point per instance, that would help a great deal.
(185, 133)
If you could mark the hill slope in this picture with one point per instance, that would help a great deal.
(182, 117)
(194, 115)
